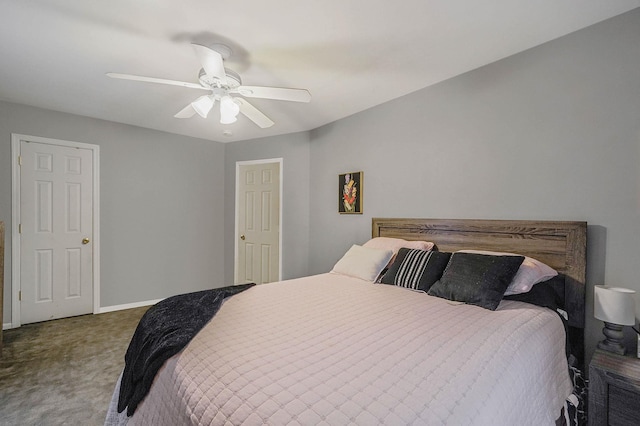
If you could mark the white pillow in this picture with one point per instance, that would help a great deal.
(530, 273)
(395, 244)
(363, 262)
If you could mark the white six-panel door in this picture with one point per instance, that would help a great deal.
(56, 221)
(258, 223)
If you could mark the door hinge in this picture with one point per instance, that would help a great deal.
(19, 160)
(19, 228)
(20, 295)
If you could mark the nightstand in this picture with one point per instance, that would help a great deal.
(614, 389)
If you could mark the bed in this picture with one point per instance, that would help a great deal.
(337, 349)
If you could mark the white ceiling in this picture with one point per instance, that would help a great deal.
(350, 54)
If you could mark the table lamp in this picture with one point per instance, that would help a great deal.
(616, 307)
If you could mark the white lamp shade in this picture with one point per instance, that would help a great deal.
(203, 105)
(228, 110)
(614, 305)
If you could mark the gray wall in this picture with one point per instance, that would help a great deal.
(551, 133)
(162, 222)
(294, 151)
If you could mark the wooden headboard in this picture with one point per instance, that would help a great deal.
(559, 244)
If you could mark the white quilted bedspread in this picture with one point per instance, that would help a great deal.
(333, 350)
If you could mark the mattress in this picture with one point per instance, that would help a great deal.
(333, 350)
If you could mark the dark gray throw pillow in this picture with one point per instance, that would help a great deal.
(477, 279)
(549, 294)
(416, 269)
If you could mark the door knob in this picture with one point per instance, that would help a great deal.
(242, 237)
(85, 241)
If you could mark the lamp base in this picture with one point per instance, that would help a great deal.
(614, 339)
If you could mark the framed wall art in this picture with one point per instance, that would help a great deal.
(350, 193)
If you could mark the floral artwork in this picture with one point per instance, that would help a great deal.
(350, 193)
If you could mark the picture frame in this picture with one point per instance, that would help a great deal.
(350, 192)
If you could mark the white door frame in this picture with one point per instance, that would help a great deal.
(235, 235)
(15, 219)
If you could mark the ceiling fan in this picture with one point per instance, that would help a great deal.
(222, 83)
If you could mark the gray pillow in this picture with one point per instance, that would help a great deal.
(476, 279)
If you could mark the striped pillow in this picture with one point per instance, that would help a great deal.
(416, 269)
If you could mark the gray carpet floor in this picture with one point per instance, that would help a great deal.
(63, 372)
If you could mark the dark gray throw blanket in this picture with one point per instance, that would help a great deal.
(163, 331)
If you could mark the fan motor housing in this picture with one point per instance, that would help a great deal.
(233, 80)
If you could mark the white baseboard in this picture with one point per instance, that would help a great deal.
(113, 308)
(105, 309)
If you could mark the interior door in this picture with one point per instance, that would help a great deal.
(56, 221)
(258, 223)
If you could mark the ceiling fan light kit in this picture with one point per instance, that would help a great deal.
(203, 105)
(222, 82)
(228, 110)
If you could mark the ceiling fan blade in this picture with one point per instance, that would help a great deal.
(279, 93)
(211, 61)
(186, 112)
(253, 114)
(155, 80)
